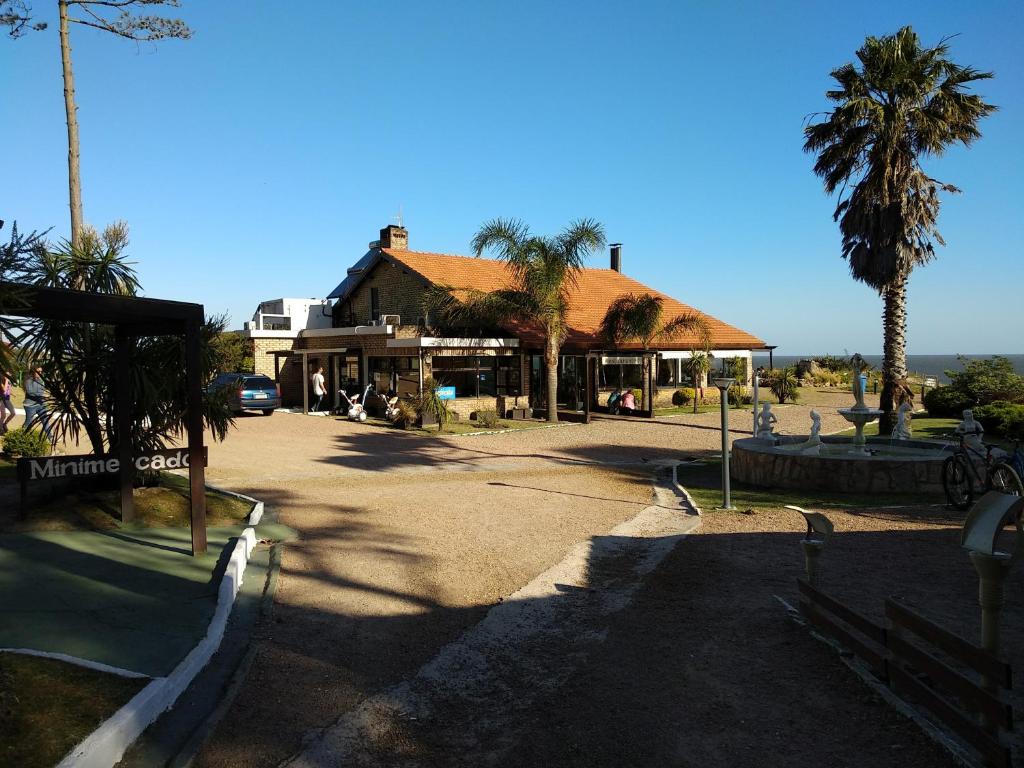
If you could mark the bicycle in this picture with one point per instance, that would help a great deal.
(961, 476)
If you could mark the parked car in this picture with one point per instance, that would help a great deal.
(252, 392)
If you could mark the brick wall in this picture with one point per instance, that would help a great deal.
(264, 362)
(400, 293)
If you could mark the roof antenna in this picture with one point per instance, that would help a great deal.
(398, 218)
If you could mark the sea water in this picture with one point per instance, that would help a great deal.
(925, 365)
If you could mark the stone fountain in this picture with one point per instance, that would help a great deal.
(859, 414)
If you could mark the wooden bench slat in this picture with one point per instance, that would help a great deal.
(977, 658)
(875, 657)
(965, 689)
(851, 617)
(991, 747)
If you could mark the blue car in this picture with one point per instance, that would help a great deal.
(252, 392)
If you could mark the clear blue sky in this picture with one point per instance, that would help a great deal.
(258, 159)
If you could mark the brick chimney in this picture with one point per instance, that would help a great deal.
(616, 249)
(396, 237)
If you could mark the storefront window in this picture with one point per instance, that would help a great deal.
(397, 374)
(622, 376)
(668, 373)
(478, 376)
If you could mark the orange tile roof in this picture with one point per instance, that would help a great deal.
(595, 290)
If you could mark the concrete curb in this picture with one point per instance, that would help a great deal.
(105, 746)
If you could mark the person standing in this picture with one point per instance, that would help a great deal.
(318, 388)
(6, 406)
(35, 403)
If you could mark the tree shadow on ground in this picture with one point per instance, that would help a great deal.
(702, 668)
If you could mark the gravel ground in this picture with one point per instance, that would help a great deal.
(407, 541)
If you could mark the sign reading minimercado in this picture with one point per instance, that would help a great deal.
(52, 467)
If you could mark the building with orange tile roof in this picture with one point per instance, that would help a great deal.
(381, 337)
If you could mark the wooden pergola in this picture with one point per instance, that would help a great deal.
(132, 317)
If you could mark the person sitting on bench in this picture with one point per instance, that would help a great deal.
(628, 402)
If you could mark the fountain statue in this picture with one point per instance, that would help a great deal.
(903, 415)
(813, 445)
(859, 414)
(972, 432)
(815, 438)
(766, 420)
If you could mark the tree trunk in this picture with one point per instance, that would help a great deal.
(551, 361)
(74, 175)
(894, 363)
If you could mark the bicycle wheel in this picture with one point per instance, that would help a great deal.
(956, 481)
(1002, 478)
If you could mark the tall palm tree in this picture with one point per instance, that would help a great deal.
(697, 365)
(641, 318)
(544, 271)
(904, 103)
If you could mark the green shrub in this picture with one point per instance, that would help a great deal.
(738, 397)
(784, 384)
(987, 381)
(406, 416)
(488, 418)
(638, 395)
(1002, 418)
(21, 442)
(833, 363)
(736, 367)
(683, 396)
(826, 378)
(943, 402)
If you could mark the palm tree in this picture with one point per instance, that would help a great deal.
(544, 271)
(698, 364)
(902, 104)
(640, 317)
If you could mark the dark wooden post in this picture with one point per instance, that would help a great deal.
(588, 390)
(123, 415)
(194, 425)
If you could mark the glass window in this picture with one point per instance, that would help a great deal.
(632, 376)
(458, 372)
(509, 376)
(668, 373)
(398, 374)
(478, 376)
(375, 303)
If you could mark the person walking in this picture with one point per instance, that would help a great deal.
(6, 406)
(35, 403)
(318, 388)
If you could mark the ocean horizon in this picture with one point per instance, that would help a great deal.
(925, 365)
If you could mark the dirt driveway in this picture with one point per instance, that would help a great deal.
(406, 544)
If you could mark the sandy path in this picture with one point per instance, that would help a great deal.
(407, 542)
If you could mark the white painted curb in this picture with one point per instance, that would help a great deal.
(105, 746)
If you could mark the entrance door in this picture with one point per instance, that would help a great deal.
(538, 383)
(572, 370)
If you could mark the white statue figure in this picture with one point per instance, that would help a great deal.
(858, 364)
(814, 439)
(902, 429)
(765, 422)
(972, 432)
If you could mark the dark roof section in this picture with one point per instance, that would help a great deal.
(355, 273)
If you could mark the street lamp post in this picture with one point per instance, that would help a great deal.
(723, 385)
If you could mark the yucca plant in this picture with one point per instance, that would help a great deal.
(784, 384)
(430, 403)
